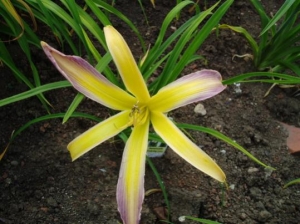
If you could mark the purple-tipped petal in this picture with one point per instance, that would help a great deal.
(188, 89)
(130, 189)
(87, 80)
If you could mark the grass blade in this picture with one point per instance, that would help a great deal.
(34, 91)
(296, 181)
(76, 101)
(204, 221)
(281, 78)
(174, 66)
(245, 33)
(224, 139)
(110, 9)
(279, 14)
(161, 184)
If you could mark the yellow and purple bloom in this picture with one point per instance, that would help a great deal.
(137, 110)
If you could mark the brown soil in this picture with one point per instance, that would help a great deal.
(40, 184)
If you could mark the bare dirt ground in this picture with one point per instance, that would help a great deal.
(40, 184)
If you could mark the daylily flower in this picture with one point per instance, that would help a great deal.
(137, 110)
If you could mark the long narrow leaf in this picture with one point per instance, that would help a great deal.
(203, 221)
(171, 69)
(281, 78)
(44, 118)
(109, 8)
(122, 135)
(169, 18)
(34, 92)
(291, 65)
(245, 33)
(6, 58)
(77, 25)
(161, 184)
(12, 11)
(225, 139)
(264, 21)
(176, 67)
(99, 14)
(147, 68)
(76, 101)
(279, 14)
(102, 65)
(296, 181)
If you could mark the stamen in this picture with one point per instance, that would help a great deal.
(138, 114)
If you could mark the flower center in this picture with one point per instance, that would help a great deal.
(138, 114)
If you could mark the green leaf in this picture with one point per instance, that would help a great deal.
(147, 67)
(6, 58)
(224, 139)
(102, 65)
(194, 38)
(110, 9)
(44, 118)
(245, 33)
(76, 101)
(281, 78)
(296, 181)
(9, 7)
(279, 14)
(168, 19)
(53, 116)
(34, 91)
(204, 221)
(161, 184)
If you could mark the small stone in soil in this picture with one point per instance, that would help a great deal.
(199, 109)
(252, 170)
(243, 216)
(14, 163)
(264, 215)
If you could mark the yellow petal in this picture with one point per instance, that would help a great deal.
(130, 189)
(98, 134)
(188, 89)
(184, 147)
(126, 64)
(87, 80)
